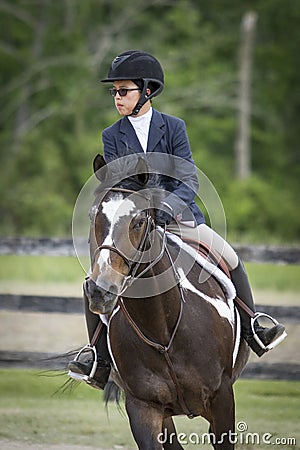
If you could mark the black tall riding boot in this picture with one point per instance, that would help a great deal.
(84, 365)
(265, 335)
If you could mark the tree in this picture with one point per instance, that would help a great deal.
(53, 55)
(242, 144)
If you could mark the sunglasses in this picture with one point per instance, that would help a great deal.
(122, 92)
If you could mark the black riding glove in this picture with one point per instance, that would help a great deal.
(163, 216)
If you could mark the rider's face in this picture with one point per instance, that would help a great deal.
(126, 104)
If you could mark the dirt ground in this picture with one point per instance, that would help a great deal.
(14, 445)
(60, 333)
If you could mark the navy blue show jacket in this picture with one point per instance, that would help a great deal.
(167, 136)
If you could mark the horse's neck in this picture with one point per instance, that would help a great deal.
(156, 316)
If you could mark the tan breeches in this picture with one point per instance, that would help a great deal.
(209, 237)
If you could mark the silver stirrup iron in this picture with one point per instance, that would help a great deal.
(260, 343)
(79, 376)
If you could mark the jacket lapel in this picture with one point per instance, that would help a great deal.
(156, 132)
(129, 137)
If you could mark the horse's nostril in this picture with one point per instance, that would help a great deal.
(93, 291)
(86, 287)
(89, 286)
(113, 289)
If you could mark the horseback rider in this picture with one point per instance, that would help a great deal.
(137, 77)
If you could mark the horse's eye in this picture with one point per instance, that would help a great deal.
(137, 226)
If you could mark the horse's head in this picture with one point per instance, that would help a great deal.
(121, 219)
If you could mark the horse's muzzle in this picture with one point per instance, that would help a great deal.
(101, 301)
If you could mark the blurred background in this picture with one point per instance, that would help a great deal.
(225, 70)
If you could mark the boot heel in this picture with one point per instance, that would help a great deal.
(82, 377)
(272, 344)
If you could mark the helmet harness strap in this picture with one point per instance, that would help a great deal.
(144, 97)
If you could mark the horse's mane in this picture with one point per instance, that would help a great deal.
(122, 173)
(134, 183)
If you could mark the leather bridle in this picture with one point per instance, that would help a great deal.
(135, 262)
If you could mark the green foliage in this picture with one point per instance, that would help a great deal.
(259, 210)
(53, 55)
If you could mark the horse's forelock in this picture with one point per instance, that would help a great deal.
(115, 180)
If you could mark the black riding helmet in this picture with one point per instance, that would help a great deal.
(136, 65)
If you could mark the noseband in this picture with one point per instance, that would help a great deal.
(136, 261)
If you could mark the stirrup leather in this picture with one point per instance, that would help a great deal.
(260, 343)
(80, 376)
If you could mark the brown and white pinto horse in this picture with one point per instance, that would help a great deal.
(171, 338)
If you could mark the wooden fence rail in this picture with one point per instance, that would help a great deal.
(64, 247)
(36, 303)
(74, 305)
(50, 361)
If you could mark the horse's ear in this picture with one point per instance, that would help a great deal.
(141, 170)
(99, 163)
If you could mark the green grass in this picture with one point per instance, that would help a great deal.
(38, 269)
(43, 269)
(275, 277)
(29, 412)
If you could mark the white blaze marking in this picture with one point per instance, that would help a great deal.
(114, 210)
(223, 309)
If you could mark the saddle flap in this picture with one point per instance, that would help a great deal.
(209, 254)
